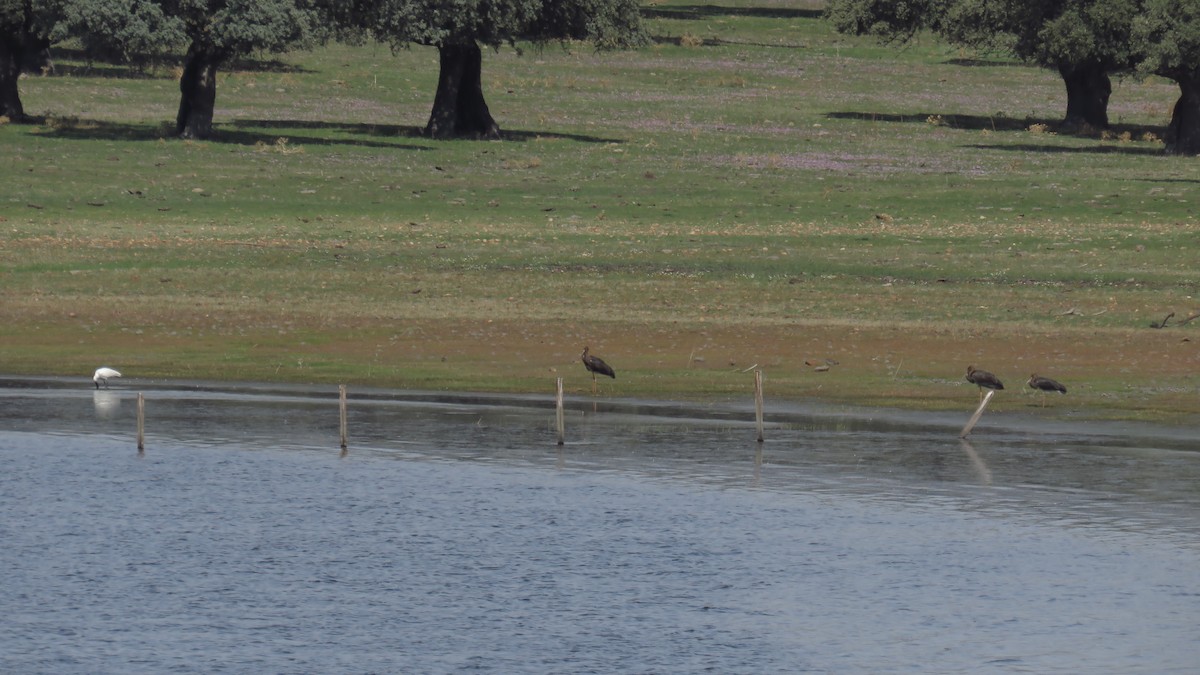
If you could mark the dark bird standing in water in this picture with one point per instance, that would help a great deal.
(983, 379)
(1045, 384)
(595, 364)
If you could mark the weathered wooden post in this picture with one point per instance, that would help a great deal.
(559, 418)
(141, 422)
(342, 411)
(758, 403)
(978, 413)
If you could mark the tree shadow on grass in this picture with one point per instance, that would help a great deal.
(524, 136)
(973, 122)
(987, 63)
(698, 12)
(719, 42)
(1001, 123)
(262, 132)
(106, 71)
(1190, 181)
(1059, 149)
(411, 131)
(93, 130)
(701, 12)
(78, 63)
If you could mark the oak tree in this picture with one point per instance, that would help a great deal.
(458, 29)
(219, 31)
(1169, 34)
(24, 27)
(1084, 40)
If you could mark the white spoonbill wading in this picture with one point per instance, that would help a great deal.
(102, 375)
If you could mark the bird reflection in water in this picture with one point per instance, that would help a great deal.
(107, 402)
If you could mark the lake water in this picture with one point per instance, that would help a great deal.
(457, 536)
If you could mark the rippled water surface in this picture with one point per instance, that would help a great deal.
(457, 536)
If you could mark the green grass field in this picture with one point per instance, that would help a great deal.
(752, 189)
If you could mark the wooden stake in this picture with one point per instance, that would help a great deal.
(758, 403)
(342, 411)
(978, 413)
(559, 418)
(141, 417)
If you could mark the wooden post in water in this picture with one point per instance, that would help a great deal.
(141, 417)
(758, 404)
(978, 413)
(558, 412)
(342, 412)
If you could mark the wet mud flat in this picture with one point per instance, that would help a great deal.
(455, 534)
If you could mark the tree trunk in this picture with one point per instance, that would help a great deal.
(198, 93)
(1183, 134)
(10, 72)
(459, 109)
(1088, 89)
(35, 56)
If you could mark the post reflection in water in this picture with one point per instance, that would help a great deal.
(107, 403)
(985, 474)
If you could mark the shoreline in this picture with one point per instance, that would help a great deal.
(779, 413)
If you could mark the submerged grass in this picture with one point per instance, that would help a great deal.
(752, 189)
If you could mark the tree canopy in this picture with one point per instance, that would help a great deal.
(119, 30)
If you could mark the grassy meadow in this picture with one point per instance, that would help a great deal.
(752, 189)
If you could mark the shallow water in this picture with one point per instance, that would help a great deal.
(456, 535)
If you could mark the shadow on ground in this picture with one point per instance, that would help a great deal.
(253, 132)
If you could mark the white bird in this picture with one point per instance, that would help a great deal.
(102, 375)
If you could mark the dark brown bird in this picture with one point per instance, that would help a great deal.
(1045, 384)
(983, 379)
(595, 364)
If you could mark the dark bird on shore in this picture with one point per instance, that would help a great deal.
(1045, 384)
(595, 364)
(983, 379)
